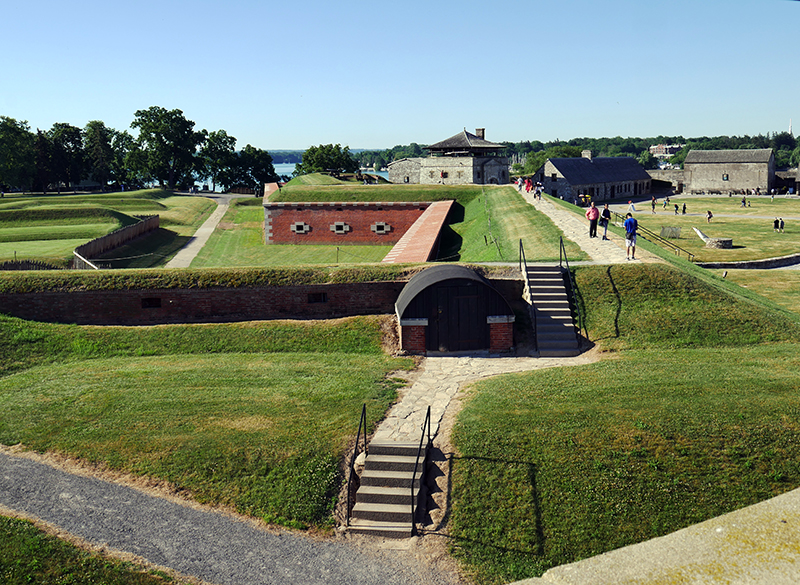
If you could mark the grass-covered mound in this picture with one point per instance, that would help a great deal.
(256, 416)
(49, 227)
(28, 555)
(694, 414)
(343, 192)
(74, 281)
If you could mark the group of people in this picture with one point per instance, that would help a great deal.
(653, 205)
(529, 186)
(777, 225)
(595, 217)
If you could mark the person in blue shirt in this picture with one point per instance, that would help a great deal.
(630, 225)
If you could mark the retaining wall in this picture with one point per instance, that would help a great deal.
(115, 239)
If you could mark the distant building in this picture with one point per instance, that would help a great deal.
(665, 150)
(591, 178)
(463, 159)
(729, 170)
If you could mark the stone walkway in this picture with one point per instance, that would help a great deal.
(439, 381)
(611, 251)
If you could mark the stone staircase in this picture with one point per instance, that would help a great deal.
(546, 292)
(383, 500)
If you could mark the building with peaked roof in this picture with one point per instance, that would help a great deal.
(463, 159)
(591, 178)
(723, 171)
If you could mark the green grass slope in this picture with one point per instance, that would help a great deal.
(692, 413)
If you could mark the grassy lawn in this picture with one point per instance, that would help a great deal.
(693, 414)
(49, 228)
(488, 228)
(28, 555)
(780, 286)
(265, 433)
(239, 241)
(750, 227)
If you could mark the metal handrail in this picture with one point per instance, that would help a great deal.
(425, 423)
(361, 424)
(523, 268)
(653, 237)
(562, 259)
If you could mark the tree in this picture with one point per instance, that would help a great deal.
(168, 144)
(42, 156)
(255, 168)
(326, 157)
(67, 156)
(97, 144)
(535, 160)
(647, 160)
(218, 156)
(17, 166)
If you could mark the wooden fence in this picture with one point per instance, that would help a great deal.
(101, 245)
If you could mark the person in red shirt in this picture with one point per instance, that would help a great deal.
(592, 214)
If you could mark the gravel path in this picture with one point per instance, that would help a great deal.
(211, 546)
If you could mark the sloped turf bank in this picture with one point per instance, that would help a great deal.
(262, 432)
(562, 464)
(28, 555)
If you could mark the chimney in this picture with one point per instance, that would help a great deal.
(480, 133)
(586, 154)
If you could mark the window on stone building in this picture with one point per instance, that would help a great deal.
(554, 177)
(320, 297)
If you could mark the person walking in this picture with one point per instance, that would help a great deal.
(708, 216)
(630, 225)
(684, 208)
(780, 224)
(776, 225)
(592, 214)
(676, 209)
(605, 218)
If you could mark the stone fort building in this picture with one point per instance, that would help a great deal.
(463, 159)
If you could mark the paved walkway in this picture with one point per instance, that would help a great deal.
(184, 257)
(438, 383)
(611, 251)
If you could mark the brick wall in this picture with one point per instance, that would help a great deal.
(501, 336)
(151, 307)
(360, 223)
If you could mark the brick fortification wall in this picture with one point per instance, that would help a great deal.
(339, 223)
(153, 307)
(103, 244)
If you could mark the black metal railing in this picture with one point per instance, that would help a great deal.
(655, 238)
(523, 268)
(426, 425)
(562, 261)
(362, 424)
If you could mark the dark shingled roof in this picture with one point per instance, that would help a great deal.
(750, 155)
(583, 171)
(464, 142)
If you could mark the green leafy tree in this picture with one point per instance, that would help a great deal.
(647, 160)
(169, 144)
(218, 156)
(67, 155)
(42, 154)
(535, 160)
(255, 168)
(17, 162)
(128, 161)
(326, 157)
(97, 143)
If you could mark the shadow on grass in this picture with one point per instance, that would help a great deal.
(154, 249)
(538, 542)
(450, 242)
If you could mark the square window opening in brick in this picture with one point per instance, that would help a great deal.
(151, 303)
(320, 297)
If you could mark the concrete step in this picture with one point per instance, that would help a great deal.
(384, 529)
(370, 494)
(392, 448)
(545, 352)
(378, 512)
(381, 478)
(392, 462)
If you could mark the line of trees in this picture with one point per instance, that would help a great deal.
(168, 151)
(528, 156)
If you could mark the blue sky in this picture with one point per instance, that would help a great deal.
(375, 74)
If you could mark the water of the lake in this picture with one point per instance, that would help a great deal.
(288, 168)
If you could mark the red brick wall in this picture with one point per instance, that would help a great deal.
(127, 307)
(278, 218)
(412, 338)
(501, 336)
